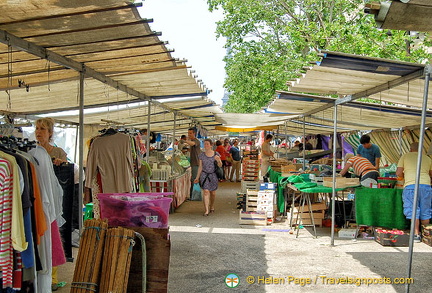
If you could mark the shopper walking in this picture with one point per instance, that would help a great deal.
(236, 163)
(194, 151)
(207, 177)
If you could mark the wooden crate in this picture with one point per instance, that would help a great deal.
(251, 200)
(315, 207)
(341, 182)
(158, 248)
(249, 185)
(252, 218)
(306, 220)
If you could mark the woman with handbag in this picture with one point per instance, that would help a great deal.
(207, 175)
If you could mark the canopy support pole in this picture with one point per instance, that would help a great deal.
(333, 203)
(81, 151)
(148, 131)
(400, 142)
(173, 143)
(419, 159)
(286, 140)
(304, 144)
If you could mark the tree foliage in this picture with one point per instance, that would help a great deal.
(270, 41)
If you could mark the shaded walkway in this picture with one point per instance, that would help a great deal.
(201, 257)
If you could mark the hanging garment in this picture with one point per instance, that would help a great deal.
(111, 155)
(50, 248)
(65, 176)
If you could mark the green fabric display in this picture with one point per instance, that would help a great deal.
(380, 207)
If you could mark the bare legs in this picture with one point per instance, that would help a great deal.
(208, 200)
(212, 200)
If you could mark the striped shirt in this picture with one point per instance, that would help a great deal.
(6, 194)
(361, 165)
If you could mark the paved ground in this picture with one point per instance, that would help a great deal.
(204, 250)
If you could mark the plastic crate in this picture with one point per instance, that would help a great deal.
(135, 209)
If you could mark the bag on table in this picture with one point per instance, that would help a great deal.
(196, 192)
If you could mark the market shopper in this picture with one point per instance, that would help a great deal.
(44, 133)
(207, 177)
(369, 150)
(228, 164)
(361, 166)
(407, 169)
(236, 161)
(223, 155)
(266, 154)
(182, 142)
(194, 151)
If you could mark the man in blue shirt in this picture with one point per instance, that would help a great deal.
(369, 150)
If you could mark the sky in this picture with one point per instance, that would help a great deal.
(190, 28)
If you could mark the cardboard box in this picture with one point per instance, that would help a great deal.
(341, 182)
(347, 233)
(395, 238)
(268, 186)
(268, 194)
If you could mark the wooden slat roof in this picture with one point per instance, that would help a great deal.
(108, 37)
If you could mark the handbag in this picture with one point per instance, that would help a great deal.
(196, 192)
(218, 170)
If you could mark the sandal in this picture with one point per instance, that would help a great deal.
(205, 215)
(212, 211)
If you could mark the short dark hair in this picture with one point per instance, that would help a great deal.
(183, 136)
(193, 129)
(218, 142)
(209, 140)
(268, 136)
(364, 139)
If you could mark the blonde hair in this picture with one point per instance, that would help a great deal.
(47, 123)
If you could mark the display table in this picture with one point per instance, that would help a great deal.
(380, 207)
(180, 185)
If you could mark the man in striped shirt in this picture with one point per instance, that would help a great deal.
(362, 167)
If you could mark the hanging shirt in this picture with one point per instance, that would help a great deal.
(111, 155)
(18, 235)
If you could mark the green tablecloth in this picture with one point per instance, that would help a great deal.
(380, 207)
(276, 177)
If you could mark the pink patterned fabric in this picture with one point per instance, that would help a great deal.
(58, 255)
(6, 252)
